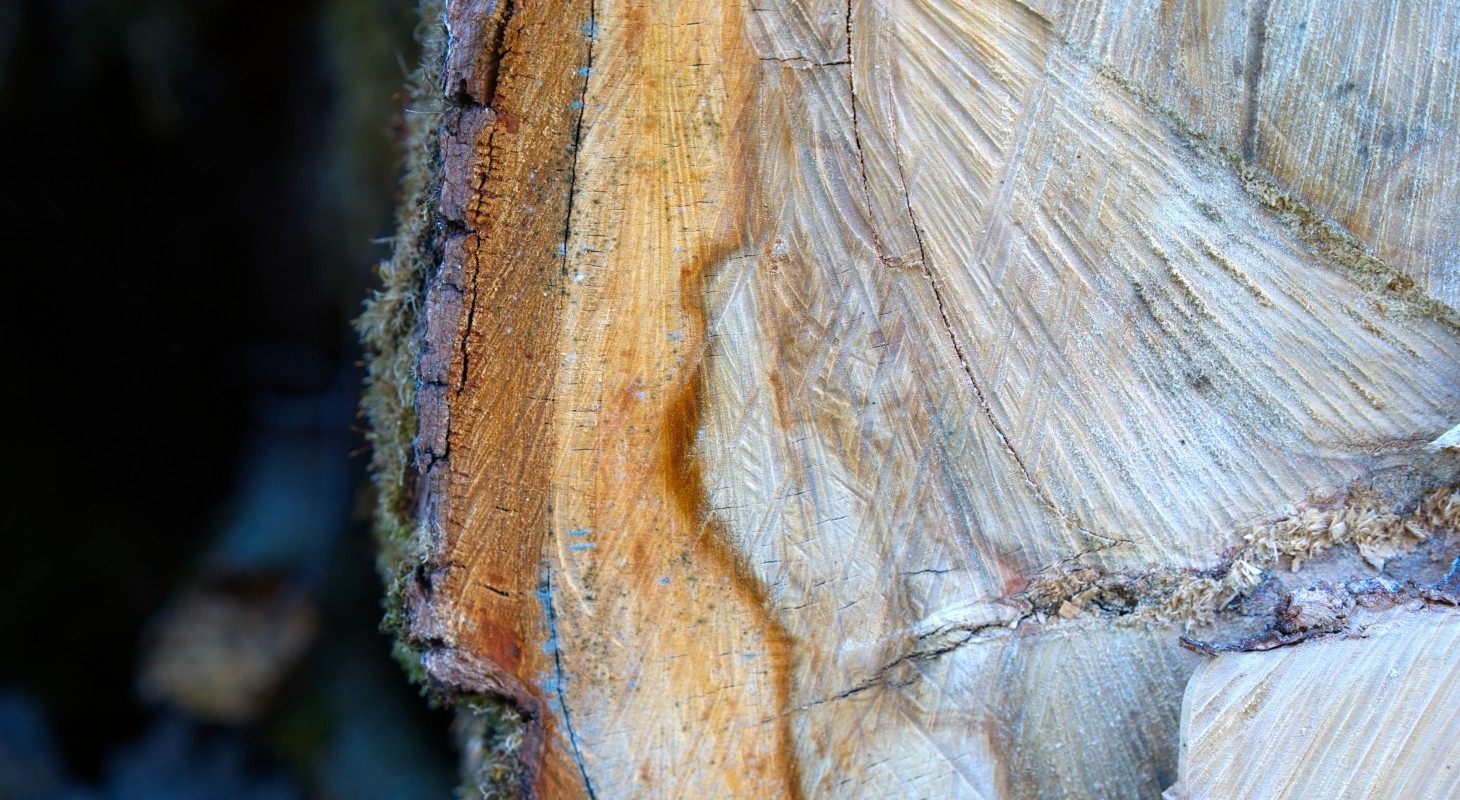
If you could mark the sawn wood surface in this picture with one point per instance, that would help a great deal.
(778, 347)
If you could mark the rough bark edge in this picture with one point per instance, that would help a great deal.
(389, 329)
(489, 731)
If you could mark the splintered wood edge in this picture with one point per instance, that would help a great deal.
(1360, 520)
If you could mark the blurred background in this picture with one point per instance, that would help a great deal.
(195, 193)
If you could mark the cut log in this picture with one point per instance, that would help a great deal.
(860, 399)
(1371, 714)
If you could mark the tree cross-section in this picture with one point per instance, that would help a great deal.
(860, 399)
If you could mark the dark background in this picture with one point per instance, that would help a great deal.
(194, 195)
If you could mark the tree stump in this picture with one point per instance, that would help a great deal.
(862, 399)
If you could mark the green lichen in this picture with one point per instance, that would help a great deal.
(389, 329)
(490, 734)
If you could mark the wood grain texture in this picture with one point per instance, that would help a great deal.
(1350, 105)
(782, 345)
(1372, 715)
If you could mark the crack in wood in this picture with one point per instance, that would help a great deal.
(590, 31)
(560, 676)
(1252, 74)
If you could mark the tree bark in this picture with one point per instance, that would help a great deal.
(861, 399)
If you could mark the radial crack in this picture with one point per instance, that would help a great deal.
(1043, 494)
(1252, 74)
